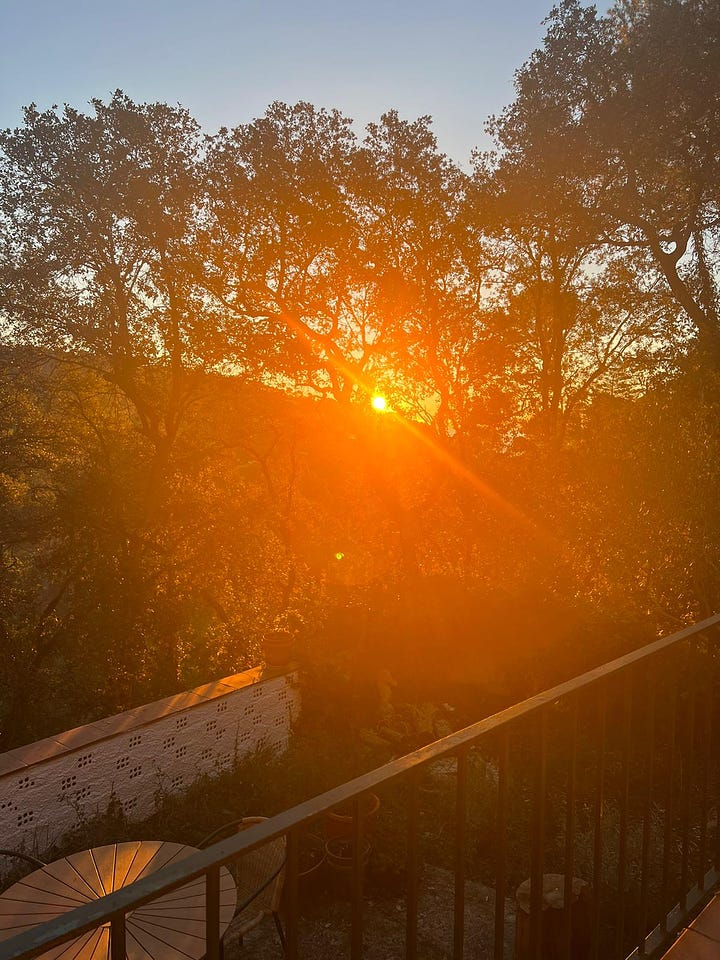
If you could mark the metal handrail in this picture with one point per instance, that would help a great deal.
(207, 862)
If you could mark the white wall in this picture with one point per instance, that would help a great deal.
(46, 787)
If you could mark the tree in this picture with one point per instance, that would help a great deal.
(628, 105)
(583, 303)
(282, 247)
(660, 128)
(98, 218)
(423, 297)
(340, 262)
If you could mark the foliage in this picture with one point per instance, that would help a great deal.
(193, 326)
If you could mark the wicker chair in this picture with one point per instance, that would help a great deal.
(259, 877)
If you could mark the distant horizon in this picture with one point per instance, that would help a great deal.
(225, 61)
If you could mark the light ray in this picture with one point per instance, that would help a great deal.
(495, 500)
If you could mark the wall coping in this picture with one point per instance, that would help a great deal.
(79, 738)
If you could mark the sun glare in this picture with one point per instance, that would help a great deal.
(379, 403)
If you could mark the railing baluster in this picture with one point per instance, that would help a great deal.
(501, 840)
(292, 905)
(460, 837)
(117, 937)
(570, 828)
(647, 816)
(212, 913)
(598, 811)
(704, 777)
(538, 840)
(716, 771)
(627, 682)
(358, 840)
(413, 865)
(685, 811)
(668, 823)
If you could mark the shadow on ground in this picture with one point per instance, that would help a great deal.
(325, 926)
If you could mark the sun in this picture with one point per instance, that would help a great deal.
(379, 403)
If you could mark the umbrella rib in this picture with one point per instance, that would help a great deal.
(81, 877)
(97, 872)
(79, 944)
(150, 926)
(32, 886)
(165, 942)
(130, 866)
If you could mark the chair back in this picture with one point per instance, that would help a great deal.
(263, 870)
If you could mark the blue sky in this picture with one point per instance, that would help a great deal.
(225, 60)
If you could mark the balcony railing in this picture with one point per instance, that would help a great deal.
(613, 777)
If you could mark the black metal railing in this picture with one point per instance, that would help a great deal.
(611, 779)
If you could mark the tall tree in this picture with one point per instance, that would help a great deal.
(629, 103)
(585, 301)
(424, 298)
(98, 216)
(282, 247)
(340, 262)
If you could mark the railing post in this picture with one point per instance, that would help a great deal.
(627, 697)
(647, 814)
(668, 824)
(212, 914)
(413, 864)
(117, 937)
(570, 828)
(538, 840)
(460, 840)
(715, 726)
(685, 807)
(704, 778)
(358, 866)
(291, 894)
(501, 840)
(598, 813)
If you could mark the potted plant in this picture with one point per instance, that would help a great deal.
(278, 647)
(279, 643)
(311, 854)
(339, 853)
(340, 822)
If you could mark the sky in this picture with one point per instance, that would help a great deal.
(226, 60)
